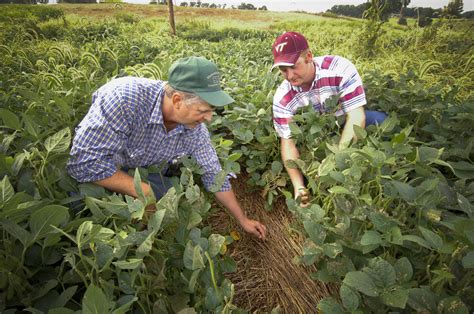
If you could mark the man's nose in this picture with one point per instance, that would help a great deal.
(208, 116)
(289, 74)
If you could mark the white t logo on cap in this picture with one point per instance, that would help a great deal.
(279, 47)
(213, 79)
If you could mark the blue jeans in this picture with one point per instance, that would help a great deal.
(374, 117)
(160, 184)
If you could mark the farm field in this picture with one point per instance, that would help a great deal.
(390, 227)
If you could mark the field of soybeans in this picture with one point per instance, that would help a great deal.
(390, 223)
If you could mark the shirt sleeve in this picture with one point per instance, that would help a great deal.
(206, 157)
(282, 115)
(351, 87)
(100, 135)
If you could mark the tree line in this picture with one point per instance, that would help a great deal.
(389, 8)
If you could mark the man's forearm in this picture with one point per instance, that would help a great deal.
(121, 182)
(354, 117)
(229, 201)
(290, 152)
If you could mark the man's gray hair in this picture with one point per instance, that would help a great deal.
(189, 98)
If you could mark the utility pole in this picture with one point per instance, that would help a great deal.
(173, 27)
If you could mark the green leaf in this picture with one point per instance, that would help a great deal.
(315, 231)
(234, 156)
(59, 142)
(193, 257)
(468, 260)
(10, 119)
(403, 270)
(145, 247)
(371, 237)
(349, 297)
(277, 167)
(61, 310)
(381, 272)
(6, 190)
(329, 305)
(137, 183)
(42, 219)
(95, 301)
(453, 305)
(194, 220)
(432, 238)
(416, 239)
(64, 297)
(361, 282)
(332, 249)
(193, 280)
(339, 190)
(154, 223)
(18, 163)
(16, 231)
(427, 155)
(131, 263)
(406, 191)
(465, 205)
(360, 133)
(422, 300)
(395, 296)
(215, 243)
(463, 169)
(295, 129)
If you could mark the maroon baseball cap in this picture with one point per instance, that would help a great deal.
(287, 48)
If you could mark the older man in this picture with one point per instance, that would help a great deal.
(137, 122)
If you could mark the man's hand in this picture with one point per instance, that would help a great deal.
(254, 227)
(302, 194)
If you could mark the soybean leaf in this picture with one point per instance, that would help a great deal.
(468, 260)
(332, 249)
(42, 219)
(406, 191)
(154, 223)
(361, 282)
(360, 133)
(193, 280)
(465, 205)
(329, 305)
(416, 239)
(453, 305)
(371, 237)
(315, 231)
(276, 167)
(16, 231)
(381, 272)
(192, 257)
(215, 244)
(403, 270)
(6, 190)
(422, 300)
(59, 142)
(349, 297)
(395, 296)
(95, 301)
(10, 119)
(432, 238)
(131, 263)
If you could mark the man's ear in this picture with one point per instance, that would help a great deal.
(176, 99)
(308, 56)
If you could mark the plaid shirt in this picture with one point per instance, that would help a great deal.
(124, 127)
(334, 76)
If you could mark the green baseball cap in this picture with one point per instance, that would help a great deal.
(199, 76)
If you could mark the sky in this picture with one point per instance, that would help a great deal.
(314, 5)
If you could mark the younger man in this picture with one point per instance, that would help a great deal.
(311, 81)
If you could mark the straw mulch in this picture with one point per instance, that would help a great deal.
(266, 276)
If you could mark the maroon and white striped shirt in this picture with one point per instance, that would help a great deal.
(334, 76)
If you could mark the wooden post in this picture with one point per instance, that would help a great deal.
(173, 28)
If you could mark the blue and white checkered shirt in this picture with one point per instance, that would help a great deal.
(124, 128)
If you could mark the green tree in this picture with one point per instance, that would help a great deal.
(454, 8)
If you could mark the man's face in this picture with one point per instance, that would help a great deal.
(195, 113)
(300, 73)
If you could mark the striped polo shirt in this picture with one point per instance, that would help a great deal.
(335, 75)
(125, 128)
